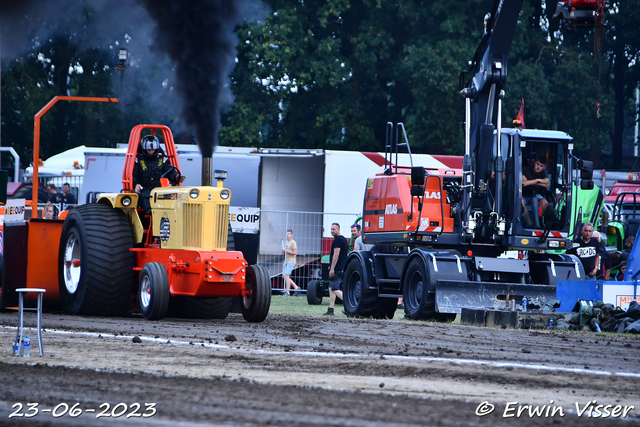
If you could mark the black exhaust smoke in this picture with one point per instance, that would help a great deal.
(199, 38)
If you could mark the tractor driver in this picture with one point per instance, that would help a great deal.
(150, 166)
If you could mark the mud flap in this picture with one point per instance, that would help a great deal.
(453, 296)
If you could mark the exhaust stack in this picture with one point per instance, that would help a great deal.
(207, 166)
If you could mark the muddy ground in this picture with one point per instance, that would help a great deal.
(301, 371)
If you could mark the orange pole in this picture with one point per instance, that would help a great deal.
(36, 139)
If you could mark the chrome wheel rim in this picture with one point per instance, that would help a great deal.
(72, 265)
(145, 291)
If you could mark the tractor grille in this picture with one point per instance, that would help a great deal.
(192, 225)
(221, 228)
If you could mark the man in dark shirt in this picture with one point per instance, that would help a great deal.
(588, 251)
(66, 197)
(337, 261)
(534, 180)
(54, 197)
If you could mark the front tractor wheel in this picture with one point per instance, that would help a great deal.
(153, 291)
(255, 305)
(95, 265)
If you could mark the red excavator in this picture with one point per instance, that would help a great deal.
(445, 241)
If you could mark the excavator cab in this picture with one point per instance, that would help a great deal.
(545, 207)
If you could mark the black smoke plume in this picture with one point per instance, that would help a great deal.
(198, 37)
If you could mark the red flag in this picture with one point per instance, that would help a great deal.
(519, 121)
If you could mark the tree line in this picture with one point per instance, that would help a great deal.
(331, 73)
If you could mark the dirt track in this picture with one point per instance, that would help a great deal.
(292, 370)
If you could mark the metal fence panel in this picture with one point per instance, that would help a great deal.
(312, 234)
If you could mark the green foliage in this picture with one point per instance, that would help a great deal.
(331, 74)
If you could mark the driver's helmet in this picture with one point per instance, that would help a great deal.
(150, 142)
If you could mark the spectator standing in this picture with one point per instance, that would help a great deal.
(66, 197)
(337, 261)
(588, 250)
(54, 197)
(355, 232)
(360, 245)
(290, 251)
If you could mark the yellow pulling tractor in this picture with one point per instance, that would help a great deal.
(174, 261)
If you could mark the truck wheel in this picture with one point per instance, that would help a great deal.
(419, 301)
(95, 274)
(314, 293)
(255, 305)
(154, 291)
(201, 308)
(360, 302)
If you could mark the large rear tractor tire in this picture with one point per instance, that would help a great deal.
(419, 299)
(255, 305)
(153, 291)
(95, 273)
(201, 308)
(361, 302)
(314, 292)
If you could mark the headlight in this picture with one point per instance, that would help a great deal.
(194, 193)
(126, 201)
(554, 244)
(224, 194)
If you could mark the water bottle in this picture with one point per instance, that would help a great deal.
(524, 304)
(551, 323)
(595, 324)
(27, 347)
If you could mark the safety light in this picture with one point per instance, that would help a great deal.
(224, 194)
(469, 253)
(194, 193)
(220, 174)
(126, 201)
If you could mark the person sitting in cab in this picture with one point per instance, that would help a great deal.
(535, 180)
(150, 166)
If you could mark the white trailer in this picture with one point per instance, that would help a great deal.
(271, 190)
(328, 181)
